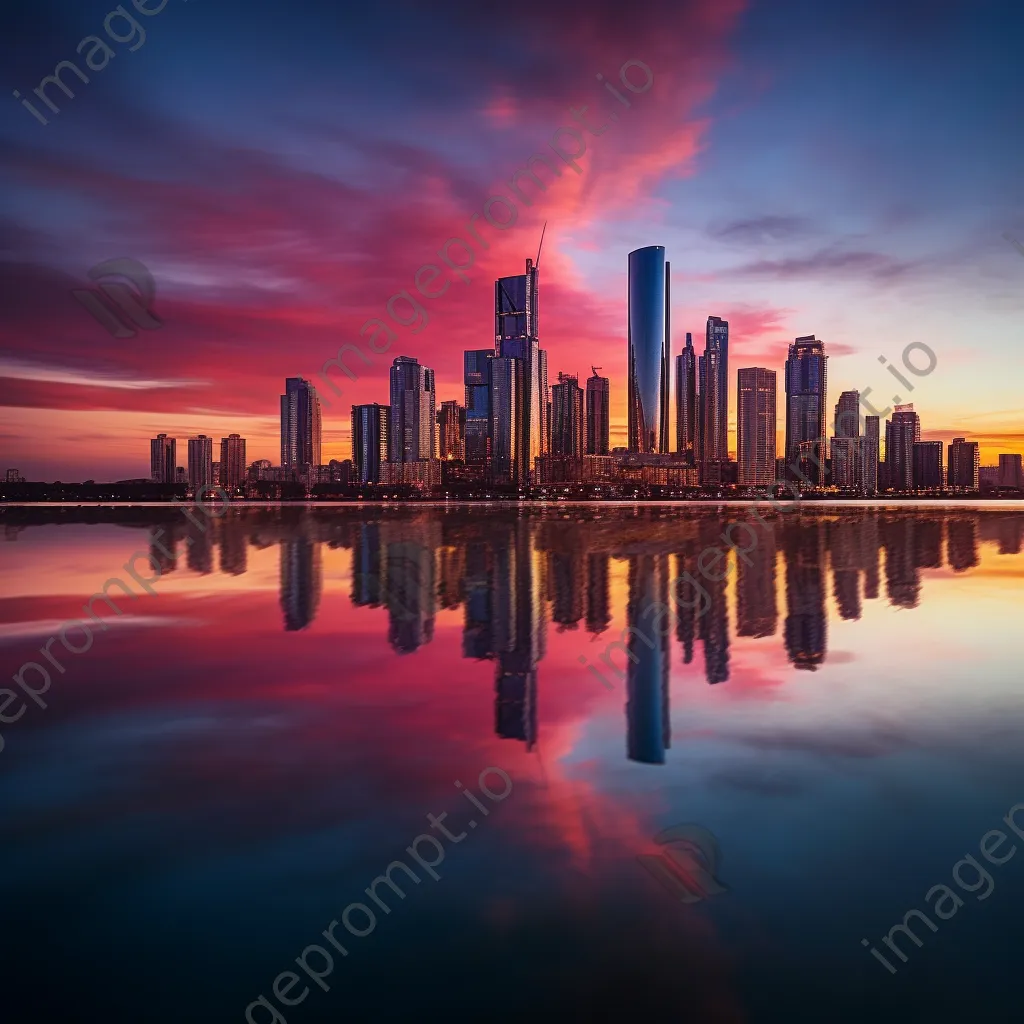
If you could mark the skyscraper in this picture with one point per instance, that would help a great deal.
(477, 380)
(963, 462)
(806, 380)
(567, 416)
(901, 432)
(369, 441)
(516, 337)
(451, 424)
(755, 426)
(507, 375)
(200, 462)
(713, 396)
(647, 342)
(686, 401)
(412, 430)
(232, 461)
(301, 429)
(598, 414)
(162, 459)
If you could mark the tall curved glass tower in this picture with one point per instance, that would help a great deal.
(648, 341)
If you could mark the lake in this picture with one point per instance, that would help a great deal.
(589, 762)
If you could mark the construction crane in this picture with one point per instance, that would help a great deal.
(595, 369)
(541, 246)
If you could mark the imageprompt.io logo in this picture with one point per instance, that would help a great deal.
(125, 307)
(688, 867)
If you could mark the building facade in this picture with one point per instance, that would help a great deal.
(369, 441)
(901, 434)
(963, 462)
(301, 429)
(871, 452)
(686, 402)
(506, 466)
(598, 414)
(567, 416)
(200, 462)
(928, 475)
(806, 388)
(648, 333)
(477, 382)
(163, 459)
(232, 461)
(412, 428)
(713, 394)
(451, 431)
(516, 336)
(755, 426)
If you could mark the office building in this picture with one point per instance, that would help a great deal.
(713, 396)
(567, 416)
(598, 414)
(686, 401)
(507, 374)
(200, 462)
(648, 333)
(847, 463)
(871, 453)
(163, 459)
(301, 429)
(370, 425)
(1010, 472)
(516, 337)
(755, 427)
(806, 386)
(901, 434)
(412, 429)
(477, 381)
(927, 457)
(451, 431)
(232, 461)
(963, 464)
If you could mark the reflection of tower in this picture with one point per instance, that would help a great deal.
(713, 625)
(301, 580)
(565, 561)
(451, 559)
(648, 620)
(962, 543)
(234, 547)
(805, 594)
(409, 582)
(599, 614)
(844, 537)
(902, 580)
(168, 537)
(478, 615)
(366, 576)
(928, 543)
(870, 548)
(199, 553)
(756, 611)
(686, 599)
(519, 631)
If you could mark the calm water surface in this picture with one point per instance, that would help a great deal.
(241, 753)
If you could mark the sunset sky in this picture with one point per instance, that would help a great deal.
(844, 169)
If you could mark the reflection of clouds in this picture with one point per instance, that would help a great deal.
(13, 632)
(760, 780)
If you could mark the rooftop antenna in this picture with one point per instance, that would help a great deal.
(541, 246)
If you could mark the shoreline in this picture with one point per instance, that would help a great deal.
(1011, 504)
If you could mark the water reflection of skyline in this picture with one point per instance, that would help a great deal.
(515, 575)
